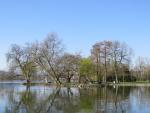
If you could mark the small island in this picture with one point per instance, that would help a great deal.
(47, 62)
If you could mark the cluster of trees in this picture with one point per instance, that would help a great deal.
(46, 57)
(112, 59)
(141, 69)
(109, 61)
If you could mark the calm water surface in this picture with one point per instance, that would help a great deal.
(16, 98)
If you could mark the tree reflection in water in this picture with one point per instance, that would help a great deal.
(75, 100)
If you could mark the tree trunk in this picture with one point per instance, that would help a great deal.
(28, 81)
(115, 69)
(68, 80)
(105, 78)
(79, 79)
(116, 76)
(58, 81)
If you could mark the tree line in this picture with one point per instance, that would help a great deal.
(110, 61)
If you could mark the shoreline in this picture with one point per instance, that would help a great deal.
(79, 85)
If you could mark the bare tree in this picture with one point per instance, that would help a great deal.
(46, 55)
(20, 58)
(142, 68)
(70, 66)
(120, 55)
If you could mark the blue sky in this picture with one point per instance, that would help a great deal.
(79, 23)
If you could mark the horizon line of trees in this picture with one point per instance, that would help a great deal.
(109, 61)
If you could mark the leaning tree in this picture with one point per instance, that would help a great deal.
(20, 58)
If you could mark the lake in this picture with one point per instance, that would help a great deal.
(17, 98)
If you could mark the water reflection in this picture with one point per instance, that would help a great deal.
(15, 98)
